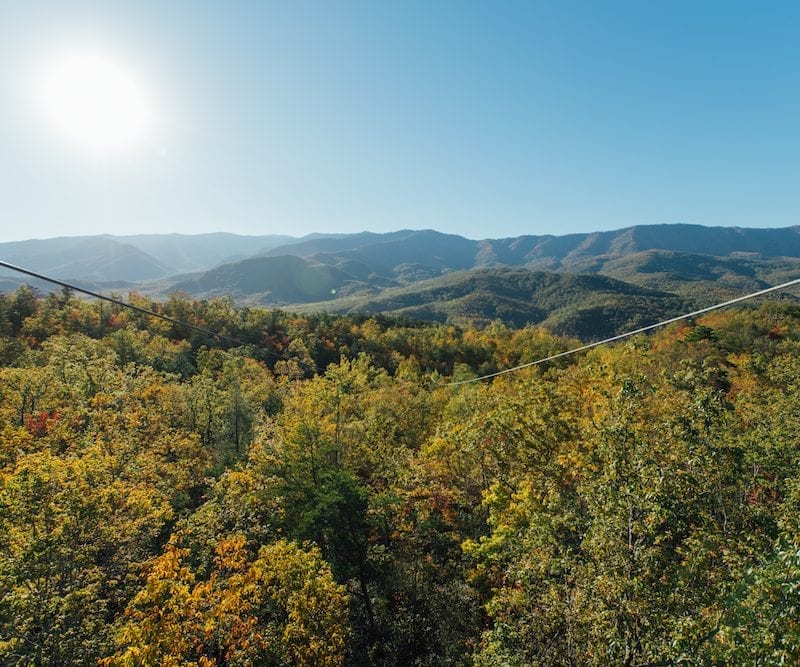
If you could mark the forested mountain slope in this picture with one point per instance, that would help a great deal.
(408, 256)
(696, 276)
(562, 251)
(83, 258)
(598, 284)
(322, 496)
(699, 264)
(579, 305)
(430, 248)
(405, 256)
(274, 280)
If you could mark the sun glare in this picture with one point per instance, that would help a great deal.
(94, 102)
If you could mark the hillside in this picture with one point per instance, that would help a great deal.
(93, 258)
(435, 250)
(137, 258)
(183, 253)
(405, 256)
(563, 251)
(268, 280)
(609, 280)
(408, 256)
(701, 277)
(579, 305)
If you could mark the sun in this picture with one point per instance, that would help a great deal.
(94, 102)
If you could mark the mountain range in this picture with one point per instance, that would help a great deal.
(584, 284)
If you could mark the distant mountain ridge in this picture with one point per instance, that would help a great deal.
(562, 251)
(193, 252)
(548, 251)
(84, 258)
(405, 255)
(432, 275)
(136, 258)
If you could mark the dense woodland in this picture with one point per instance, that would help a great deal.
(321, 495)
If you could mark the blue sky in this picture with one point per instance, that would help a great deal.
(481, 119)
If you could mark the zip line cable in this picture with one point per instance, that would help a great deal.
(139, 309)
(628, 334)
(513, 369)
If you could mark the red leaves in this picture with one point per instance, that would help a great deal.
(38, 424)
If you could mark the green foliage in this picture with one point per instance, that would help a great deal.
(319, 496)
(71, 535)
(587, 306)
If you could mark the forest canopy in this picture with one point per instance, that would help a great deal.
(320, 495)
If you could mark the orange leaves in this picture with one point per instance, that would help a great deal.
(281, 607)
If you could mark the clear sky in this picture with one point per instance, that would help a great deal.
(486, 119)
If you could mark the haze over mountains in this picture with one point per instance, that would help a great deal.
(625, 277)
(133, 258)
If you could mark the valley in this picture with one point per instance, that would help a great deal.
(586, 285)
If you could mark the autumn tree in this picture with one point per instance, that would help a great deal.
(280, 607)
